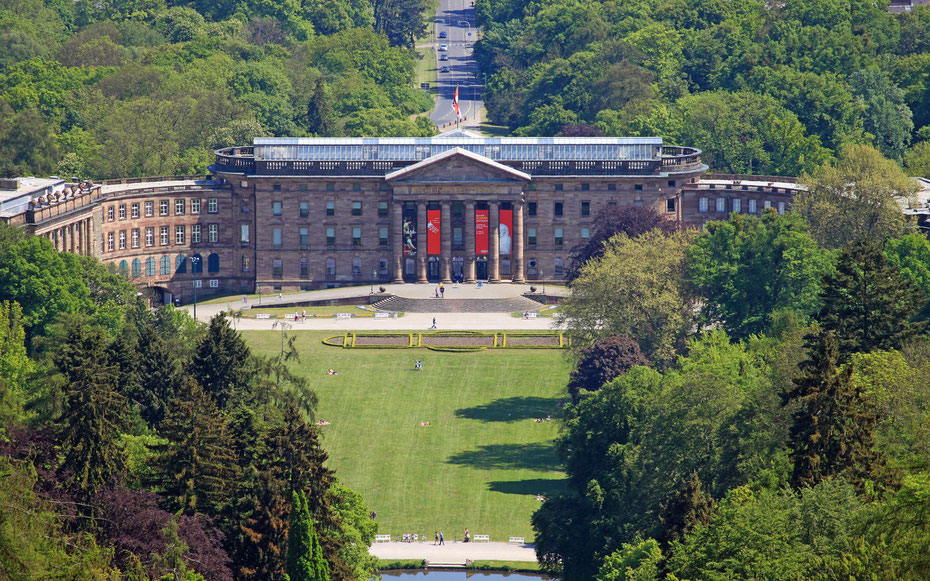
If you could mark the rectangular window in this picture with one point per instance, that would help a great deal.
(179, 207)
(277, 268)
(458, 209)
(558, 187)
(303, 187)
(737, 205)
(356, 236)
(559, 238)
(243, 232)
(558, 209)
(721, 204)
(122, 211)
(702, 205)
(585, 208)
(304, 236)
(752, 206)
(767, 204)
(195, 234)
(111, 213)
(122, 240)
(330, 187)
(150, 236)
(531, 235)
(356, 208)
(149, 209)
(638, 187)
(382, 236)
(163, 208)
(180, 234)
(611, 187)
(585, 187)
(304, 209)
(304, 268)
(275, 187)
(195, 206)
(671, 183)
(356, 267)
(670, 205)
(383, 266)
(134, 237)
(457, 239)
(330, 236)
(275, 208)
(382, 209)
(585, 233)
(781, 207)
(356, 187)
(214, 233)
(134, 210)
(213, 206)
(330, 267)
(110, 241)
(276, 236)
(164, 235)
(531, 208)
(330, 208)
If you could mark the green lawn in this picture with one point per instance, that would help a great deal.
(479, 464)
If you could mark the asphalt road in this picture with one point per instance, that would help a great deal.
(457, 19)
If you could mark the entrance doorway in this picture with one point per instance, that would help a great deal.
(410, 270)
(458, 268)
(481, 268)
(432, 269)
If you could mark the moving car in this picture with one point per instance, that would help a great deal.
(444, 69)
(443, 47)
(443, 57)
(443, 34)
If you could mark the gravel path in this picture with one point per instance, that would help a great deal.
(452, 552)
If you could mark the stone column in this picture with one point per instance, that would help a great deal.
(494, 243)
(89, 233)
(445, 248)
(469, 242)
(397, 241)
(517, 265)
(421, 243)
(72, 246)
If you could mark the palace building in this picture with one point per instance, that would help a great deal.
(303, 213)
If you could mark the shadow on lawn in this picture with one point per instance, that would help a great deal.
(544, 486)
(511, 409)
(539, 457)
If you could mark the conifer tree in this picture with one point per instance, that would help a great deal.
(159, 375)
(305, 560)
(196, 469)
(685, 508)
(222, 364)
(867, 304)
(832, 431)
(93, 412)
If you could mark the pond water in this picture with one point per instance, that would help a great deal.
(459, 575)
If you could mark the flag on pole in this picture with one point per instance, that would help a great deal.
(455, 104)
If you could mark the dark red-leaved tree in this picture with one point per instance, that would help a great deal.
(602, 362)
(612, 220)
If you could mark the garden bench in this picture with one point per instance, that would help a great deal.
(519, 540)
(485, 538)
(263, 316)
(382, 538)
(382, 315)
(343, 315)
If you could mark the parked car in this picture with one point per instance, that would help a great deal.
(443, 47)
(444, 69)
(443, 57)
(443, 34)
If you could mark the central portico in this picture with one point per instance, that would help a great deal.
(466, 214)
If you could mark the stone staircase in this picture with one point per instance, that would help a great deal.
(434, 305)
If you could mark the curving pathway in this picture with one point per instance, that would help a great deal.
(454, 552)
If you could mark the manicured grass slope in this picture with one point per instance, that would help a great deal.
(479, 464)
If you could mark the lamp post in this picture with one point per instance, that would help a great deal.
(542, 277)
(195, 260)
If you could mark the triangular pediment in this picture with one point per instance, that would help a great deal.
(457, 165)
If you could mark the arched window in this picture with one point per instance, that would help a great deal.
(165, 265)
(244, 263)
(124, 268)
(136, 267)
(559, 268)
(304, 268)
(150, 266)
(213, 262)
(180, 264)
(196, 263)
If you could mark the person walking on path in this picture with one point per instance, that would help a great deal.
(437, 538)
(442, 541)
(442, 291)
(434, 324)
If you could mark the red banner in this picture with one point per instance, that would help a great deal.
(433, 233)
(481, 232)
(506, 231)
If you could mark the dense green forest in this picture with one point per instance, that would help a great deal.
(150, 87)
(137, 444)
(750, 401)
(761, 87)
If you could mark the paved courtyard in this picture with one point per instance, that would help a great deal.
(453, 552)
(423, 320)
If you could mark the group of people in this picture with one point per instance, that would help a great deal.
(418, 365)
(440, 291)
(541, 420)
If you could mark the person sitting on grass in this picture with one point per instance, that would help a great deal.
(331, 372)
